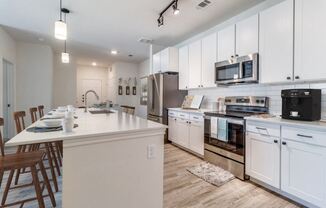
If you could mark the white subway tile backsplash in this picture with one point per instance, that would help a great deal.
(271, 91)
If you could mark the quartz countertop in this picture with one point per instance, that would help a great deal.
(317, 125)
(197, 111)
(90, 125)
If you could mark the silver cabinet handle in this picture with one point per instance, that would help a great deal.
(260, 128)
(305, 136)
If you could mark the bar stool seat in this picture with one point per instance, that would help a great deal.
(21, 160)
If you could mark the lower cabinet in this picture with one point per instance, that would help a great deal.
(263, 158)
(304, 171)
(187, 132)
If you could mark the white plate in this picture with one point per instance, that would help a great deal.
(50, 123)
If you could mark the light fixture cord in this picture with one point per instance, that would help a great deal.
(60, 10)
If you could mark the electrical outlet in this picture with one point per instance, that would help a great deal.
(151, 151)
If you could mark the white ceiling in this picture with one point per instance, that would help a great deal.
(95, 27)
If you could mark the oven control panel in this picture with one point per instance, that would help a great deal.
(247, 101)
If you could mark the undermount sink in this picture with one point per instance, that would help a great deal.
(104, 111)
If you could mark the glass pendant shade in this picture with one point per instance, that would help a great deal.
(60, 30)
(65, 57)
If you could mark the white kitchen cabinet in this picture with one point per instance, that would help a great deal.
(172, 122)
(183, 68)
(310, 41)
(195, 64)
(247, 36)
(182, 132)
(276, 43)
(196, 136)
(166, 60)
(304, 171)
(263, 158)
(208, 61)
(226, 43)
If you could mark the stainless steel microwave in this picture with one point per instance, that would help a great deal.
(243, 69)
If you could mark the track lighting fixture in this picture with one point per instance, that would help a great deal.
(60, 26)
(176, 11)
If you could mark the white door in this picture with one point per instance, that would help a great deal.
(276, 43)
(182, 132)
(304, 171)
(208, 60)
(8, 99)
(226, 43)
(263, 158)
(91, 84)
(195, 64)
(173, 129)
(156, 63)
(164, 59)
(247, 36)
(183, 68)
(196, 136)
(310, 41)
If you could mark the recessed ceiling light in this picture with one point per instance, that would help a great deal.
(114, 52)
(94, 64)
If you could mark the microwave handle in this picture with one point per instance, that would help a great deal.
(240, 70)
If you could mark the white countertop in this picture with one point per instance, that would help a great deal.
(90, 125)
(318, 125)
(197, 111)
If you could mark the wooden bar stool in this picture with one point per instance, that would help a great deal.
(20, 126)
(17, 161)
(41, 110)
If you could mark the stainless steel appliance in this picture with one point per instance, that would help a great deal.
(229, 152)
(242, 69)
(163, 93)
(301, 104)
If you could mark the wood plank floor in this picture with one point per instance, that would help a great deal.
(184, 190)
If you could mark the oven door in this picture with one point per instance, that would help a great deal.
(236, 136)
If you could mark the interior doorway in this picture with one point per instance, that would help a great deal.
(8, 99)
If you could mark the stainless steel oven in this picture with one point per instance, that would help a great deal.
(237, 70)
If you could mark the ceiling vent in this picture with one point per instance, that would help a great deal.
(203, 4)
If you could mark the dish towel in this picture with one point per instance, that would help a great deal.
(214, 127)
(222, 129)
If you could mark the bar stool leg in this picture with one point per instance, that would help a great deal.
(47, 183)
(54, 158)
(54, 177)
(5, 193)
(1, 176)
(37, 187)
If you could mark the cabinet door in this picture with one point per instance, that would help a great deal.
(247, 36)
(310, 41)
(183, 132)
(226, 43)
(195, 64)
(196, 137)
(183, 68)
(164, 59)
(172, 129)
(156, 63)
(263, 158)
(208, 60)
(304, 171)
(276, 43)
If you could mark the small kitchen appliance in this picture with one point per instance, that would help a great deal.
(301, 104)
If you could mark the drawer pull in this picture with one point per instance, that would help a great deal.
(284, 143)
(305, 136)
(275, 141)
(195, 117)
(260, 128)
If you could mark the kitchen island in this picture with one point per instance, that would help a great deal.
(110, 160)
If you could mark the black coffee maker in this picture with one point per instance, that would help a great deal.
(301, 104)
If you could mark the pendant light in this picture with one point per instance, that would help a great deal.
(60, 27)
(65, 56)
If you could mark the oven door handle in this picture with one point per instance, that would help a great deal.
(229, 120)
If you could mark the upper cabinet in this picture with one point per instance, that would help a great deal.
(208, 60)
(247, 36)
(166, 61)
(226, 43)
(195, 64)
(183, 68)
(276, 43)
(310, 41)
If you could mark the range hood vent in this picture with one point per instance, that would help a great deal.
(203, 4)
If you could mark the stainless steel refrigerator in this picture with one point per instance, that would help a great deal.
(163, 93)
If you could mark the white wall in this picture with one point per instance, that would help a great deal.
(8, 52)
(34, 76)
(91, 72)
(143, 71)
(64, 82)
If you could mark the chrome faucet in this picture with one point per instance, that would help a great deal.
(96, 95)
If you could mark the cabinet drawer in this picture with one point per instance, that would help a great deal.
(264, 128)
(183, 115)
(196, 117)
(173, 113)
(313, 137)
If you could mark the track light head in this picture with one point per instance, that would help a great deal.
(176, 11)
(160, 21)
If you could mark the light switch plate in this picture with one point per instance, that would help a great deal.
(151, 151)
